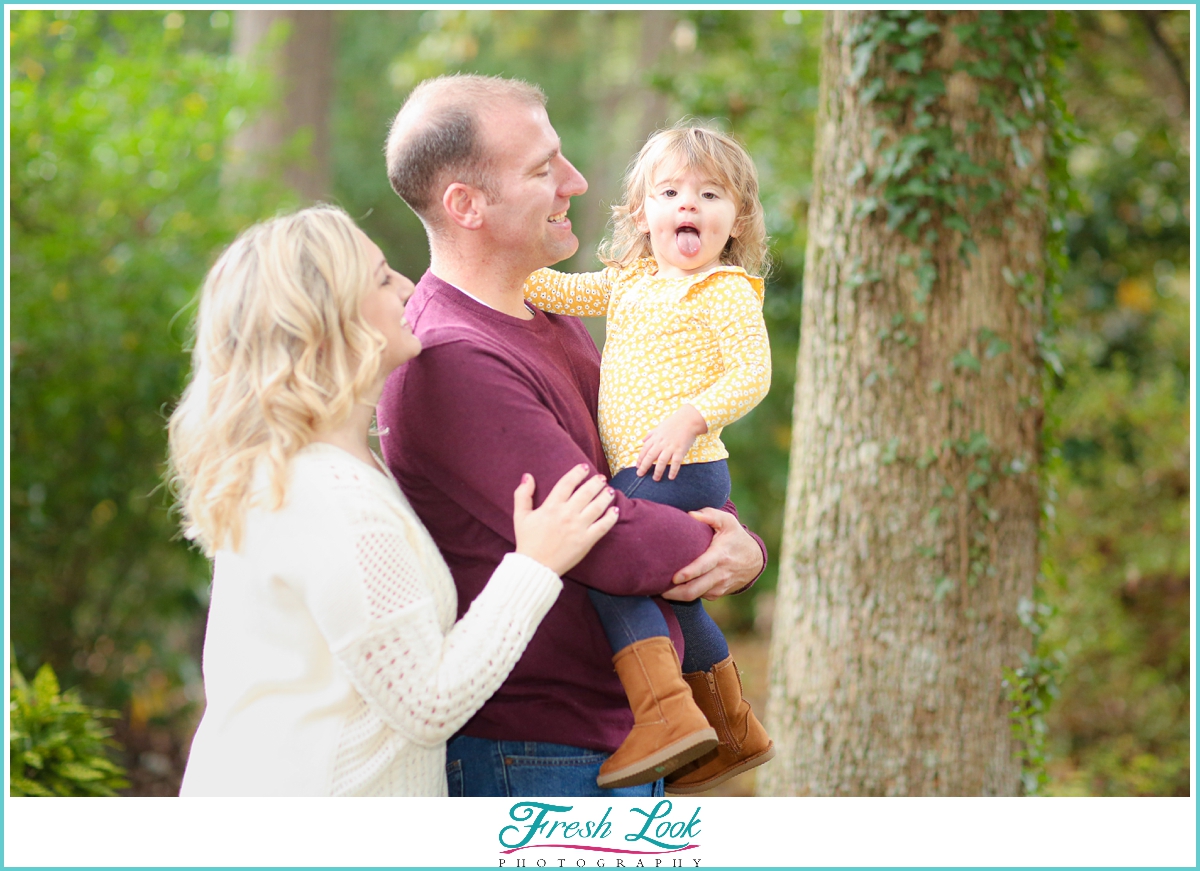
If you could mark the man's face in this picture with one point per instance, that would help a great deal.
(528, 222)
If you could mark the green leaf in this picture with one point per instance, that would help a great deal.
(922, 28)
(964, 359)
(926, 276)
(21, 786)
(956, 222)
(941, 587)
(45, 684)
(996, 347)
(965, 32)
(978, 444)
(33, 759)
(80, 771)
(866, 206)
(871, 91)
(1052, 360)
(910, 61)
(889, 452)
(861, 60)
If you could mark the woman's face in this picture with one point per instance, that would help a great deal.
(383, 308)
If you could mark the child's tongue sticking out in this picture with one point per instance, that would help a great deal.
(688, 240)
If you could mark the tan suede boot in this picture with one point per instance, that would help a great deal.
(744, 741)
(668, 729)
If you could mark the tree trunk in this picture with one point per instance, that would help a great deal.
(303, 69)
(629, 109)
(910, 540)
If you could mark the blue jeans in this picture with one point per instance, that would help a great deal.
(479, 766)
(627, 619)
(696, 486)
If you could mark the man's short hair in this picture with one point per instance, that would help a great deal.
(435, 138)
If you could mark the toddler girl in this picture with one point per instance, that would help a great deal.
(685, 355)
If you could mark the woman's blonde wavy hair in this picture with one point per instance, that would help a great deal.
(710, 153)
(281, 352)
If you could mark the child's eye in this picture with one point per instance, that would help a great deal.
(709, 195)
(669, 192)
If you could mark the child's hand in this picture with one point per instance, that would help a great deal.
(668, 443)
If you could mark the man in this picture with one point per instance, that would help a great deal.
(502, 389)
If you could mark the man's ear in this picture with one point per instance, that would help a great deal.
(463, 205)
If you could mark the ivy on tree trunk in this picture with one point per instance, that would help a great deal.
(911, 536)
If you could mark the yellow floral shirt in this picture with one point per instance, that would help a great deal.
(699, 339)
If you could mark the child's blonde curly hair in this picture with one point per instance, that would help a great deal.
(708, 152)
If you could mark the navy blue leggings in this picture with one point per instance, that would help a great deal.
(627, 619)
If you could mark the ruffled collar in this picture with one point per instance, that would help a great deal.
(648, 267)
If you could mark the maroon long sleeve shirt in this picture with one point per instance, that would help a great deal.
(489, 398)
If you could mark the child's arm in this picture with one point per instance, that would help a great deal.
(733, 309)
(582, 294)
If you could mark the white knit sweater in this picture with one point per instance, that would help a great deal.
(332, 662)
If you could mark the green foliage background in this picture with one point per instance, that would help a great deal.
(1119, 548)
(120, 122)
(57, 746)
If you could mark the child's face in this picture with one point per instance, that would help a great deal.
(690, 217)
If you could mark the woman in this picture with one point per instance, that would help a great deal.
(332, 662)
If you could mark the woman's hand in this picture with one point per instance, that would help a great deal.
(563, 529)
(667, 445)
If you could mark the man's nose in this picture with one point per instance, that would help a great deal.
(573, 183)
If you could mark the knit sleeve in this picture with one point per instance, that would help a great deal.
(421, 682)
(732, 307)
(582, 294)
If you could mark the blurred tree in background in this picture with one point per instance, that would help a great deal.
(118, 126)
(121, 122)
(1119, 548)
